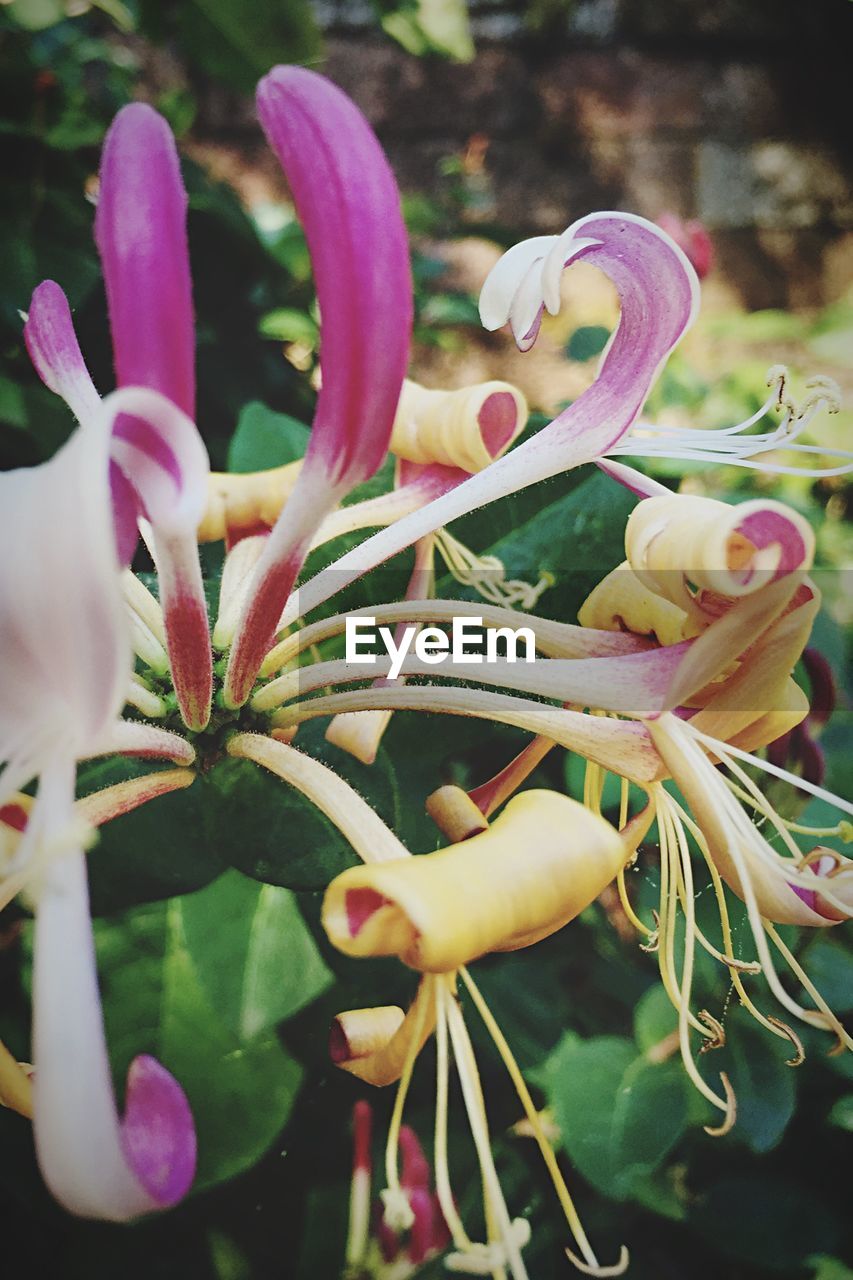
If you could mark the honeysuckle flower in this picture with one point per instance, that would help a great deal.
(67, 664)
(373, 1249)
(140, 230)
(438, 438)
(543, 860)
(349, 206)
(658, 294)
(753, 553)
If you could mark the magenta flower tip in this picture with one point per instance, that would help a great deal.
(349, 206)
(140, 229)
(54, 351)
(158, 1133)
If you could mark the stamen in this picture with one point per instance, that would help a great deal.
(443, 1189)
(674, 846)
(617, 1270)
(487, 575)
(731, 1111)
(472, 1095)
(731, 446)
(795, 1040)
(398, 1211)
(717, 1039)
(535, 1122)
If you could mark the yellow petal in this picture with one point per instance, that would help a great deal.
(542, 861)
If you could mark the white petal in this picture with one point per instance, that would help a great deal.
(502, 282)
(525, 312)
(565, 249)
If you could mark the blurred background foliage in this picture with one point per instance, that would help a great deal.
(208, 901)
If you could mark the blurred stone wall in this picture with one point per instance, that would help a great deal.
(733, 111)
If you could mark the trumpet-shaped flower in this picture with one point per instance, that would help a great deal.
(658, 295)
(542, 862)
(374, 1249)
(67, 663)
(347, 199)
(141, 235)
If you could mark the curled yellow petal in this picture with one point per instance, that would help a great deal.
(621, 602)
(455, 814)
(467, 428)
(541, 862)
(241, 503)
(729, 551)
(16, 1089)
(374, 1044)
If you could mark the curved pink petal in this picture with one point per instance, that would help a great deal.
(55, 352)
(96, 1166)
(140, 229)
(349, 206)
(658, 295)
(158, 1134)
(162, 459)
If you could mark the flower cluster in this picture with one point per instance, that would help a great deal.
(679, 669)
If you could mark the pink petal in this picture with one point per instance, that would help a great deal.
(140, 230)
(349, 206)
(162, 460)
(658, 295)
(55, 353)
(158, 1133)
(415, 1172)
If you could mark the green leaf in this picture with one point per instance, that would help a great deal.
(764, 1085)
(432, 26)
(167, 990)
(841, 1114)
(829, 1268)
(654, 1019)
(36, 15)
(766, 1221)
(273, 969)
(619, 1114)
(587, 342)
(286, 324)
(269, 830)
(159, 850)
(265, 439)
(238, 42)
(830, 967)
(241, 1092)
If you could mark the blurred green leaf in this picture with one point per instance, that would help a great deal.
(208, 1013)
(265, 439)
(285, 324)
(654, 1019)
(36, 15)
(767, 1221)
(430, 26)
(841, 1114)
(237, 42)
(829, 1269)
(587, 342)
(619, 1114)
(764, 1085)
